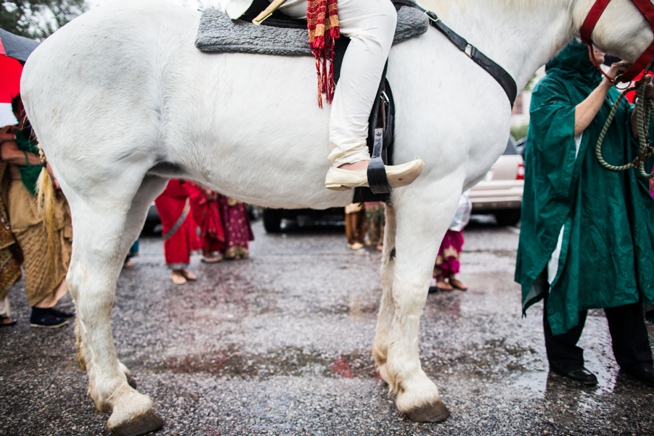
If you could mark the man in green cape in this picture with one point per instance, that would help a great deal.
(587, 233)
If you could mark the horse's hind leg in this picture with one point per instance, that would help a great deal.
(149, 189)
(102, 235)
(387, 308)
(420, 227)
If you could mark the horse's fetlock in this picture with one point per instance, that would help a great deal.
(81, 362)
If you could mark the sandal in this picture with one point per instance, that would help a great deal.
(458, 284)
(7, 321)
(178, 278)
(214, 259)
(188, 275)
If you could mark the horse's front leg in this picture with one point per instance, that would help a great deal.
(421, 222)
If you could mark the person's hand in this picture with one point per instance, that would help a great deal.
(649, 88)
(618, 68)
(7, 132)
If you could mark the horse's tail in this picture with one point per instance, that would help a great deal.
(45, 200)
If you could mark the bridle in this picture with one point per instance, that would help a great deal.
(647, 9)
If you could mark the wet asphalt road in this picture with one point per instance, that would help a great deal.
(280, 344)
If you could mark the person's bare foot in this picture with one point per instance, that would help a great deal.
(442, 285)
(177, 277)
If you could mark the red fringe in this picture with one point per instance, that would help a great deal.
(322, 24)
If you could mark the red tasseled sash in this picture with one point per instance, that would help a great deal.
(322, 23)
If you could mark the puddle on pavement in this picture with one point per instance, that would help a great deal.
(288, 361)
(550, 385)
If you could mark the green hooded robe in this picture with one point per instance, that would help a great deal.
(607, 250)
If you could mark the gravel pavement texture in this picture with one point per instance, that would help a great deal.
(281, 344)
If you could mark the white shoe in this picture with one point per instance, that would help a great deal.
(398, 175)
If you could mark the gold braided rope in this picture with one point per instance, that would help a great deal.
(644, 112)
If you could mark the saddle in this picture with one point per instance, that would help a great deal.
(286, 36)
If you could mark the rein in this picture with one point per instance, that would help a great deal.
(502, 77)
(644, 112)
(647, 10)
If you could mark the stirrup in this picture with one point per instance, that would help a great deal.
(398, 175)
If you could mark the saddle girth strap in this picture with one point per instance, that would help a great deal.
(502, 77)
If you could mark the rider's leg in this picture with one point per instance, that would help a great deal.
(370, 25)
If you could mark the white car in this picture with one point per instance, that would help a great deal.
(500, 192)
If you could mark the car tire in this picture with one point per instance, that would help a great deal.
(508, 217)
(272, 220)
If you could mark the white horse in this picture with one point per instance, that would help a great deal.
(121, 101)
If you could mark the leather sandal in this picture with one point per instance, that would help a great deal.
(189, 275)
(338, 179)
(6, 321)
(214, 259)
(458, 284)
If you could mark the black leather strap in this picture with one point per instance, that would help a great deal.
(377, 180)
(383, 107)
(497, 72)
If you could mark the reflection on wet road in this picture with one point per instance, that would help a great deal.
(281, 344)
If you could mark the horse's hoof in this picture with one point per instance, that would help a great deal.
(430, 412)
(140, 425)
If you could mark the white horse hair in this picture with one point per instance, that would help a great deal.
(121, 101)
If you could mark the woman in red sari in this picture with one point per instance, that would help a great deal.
(237, 228)
(206, 211)
(179, 229)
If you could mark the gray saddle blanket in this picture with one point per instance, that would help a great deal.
(217, 33)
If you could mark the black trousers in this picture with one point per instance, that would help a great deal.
(628, 335)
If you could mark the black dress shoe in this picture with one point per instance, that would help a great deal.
(579, 375)
(644, 375)
(46, 320)
(61, 313)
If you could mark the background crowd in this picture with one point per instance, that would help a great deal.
(193, 218)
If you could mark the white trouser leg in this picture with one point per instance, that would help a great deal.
(370, 25)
